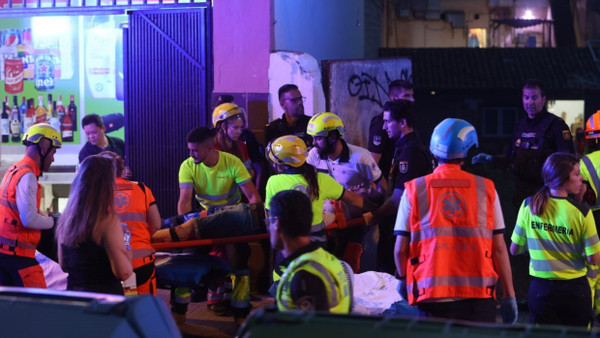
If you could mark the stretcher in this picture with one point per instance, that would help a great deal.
(339, 223)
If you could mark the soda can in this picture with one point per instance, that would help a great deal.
(11, 37)
(13, 76)
(26, 36)
(44, 72)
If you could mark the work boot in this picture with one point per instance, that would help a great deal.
(221, 309)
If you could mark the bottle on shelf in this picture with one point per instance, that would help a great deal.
(22, 111)
(15, 125)
(50, 107)
(54, 120)
(5, 124)
(60, 109)
(29, 115)
(41, 113)
(67, 129)
(73, 112)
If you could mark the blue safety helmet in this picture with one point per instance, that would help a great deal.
(452, 139)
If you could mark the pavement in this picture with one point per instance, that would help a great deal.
(202, 323)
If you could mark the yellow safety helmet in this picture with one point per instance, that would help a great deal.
(592, 127)
(322, 123)
(289, 150)
(42, 130)
(226, 110)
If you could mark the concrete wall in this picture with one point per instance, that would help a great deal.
(327, 30)
(241, 45)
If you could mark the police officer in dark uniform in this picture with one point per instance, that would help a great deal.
(293, 121)
(380, 146)
(535, 137)
(411, 159)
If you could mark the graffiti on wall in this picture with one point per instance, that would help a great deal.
(368, 87)
(358, 90)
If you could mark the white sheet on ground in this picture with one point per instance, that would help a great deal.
(374, 292)
(55, 278)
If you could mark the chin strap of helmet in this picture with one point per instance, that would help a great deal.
(42, 156)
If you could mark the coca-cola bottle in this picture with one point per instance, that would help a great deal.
(15, 125)
(73, 112)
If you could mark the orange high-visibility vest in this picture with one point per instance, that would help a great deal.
(16, 239)
(131, 204)
(451, 231)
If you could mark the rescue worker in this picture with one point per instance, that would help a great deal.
(136, 207)
(312, 279)
(239, 134)
(351, 166)
(560, 236)
(450, 249)
(230, 120)
(288, 154)
(411, 159)
(535, 137)
(22, 219)
(217, 178)
(293, 121)
(590, 170)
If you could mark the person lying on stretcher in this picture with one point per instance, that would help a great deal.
(233, 220)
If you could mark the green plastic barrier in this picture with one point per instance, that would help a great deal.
(268, 322)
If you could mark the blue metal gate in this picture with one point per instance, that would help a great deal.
(167, 66)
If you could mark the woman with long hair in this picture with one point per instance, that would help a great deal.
(232, 136)
(91, 246)
(288, 154)
(560, 236)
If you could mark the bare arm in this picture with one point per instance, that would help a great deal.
(390, 206)
(376, 157)
(401, 254)
(153, 219)
(184, 205)
(502, 264)
(356, 200)
(113, 243)
(382, 185)
(251, 193)
(260, 176)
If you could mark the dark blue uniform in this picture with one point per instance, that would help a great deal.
(279, 127)
(411, 159)
(379, 143)
(533, 141)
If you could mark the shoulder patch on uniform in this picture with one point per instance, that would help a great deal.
(403, 167)
(566, 135)
(376, 140)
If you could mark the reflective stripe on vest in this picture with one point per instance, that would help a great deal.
(16, 239)
(231, 197)
(595, 179)
(132, 217)
(329, 269)
(452, 218)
